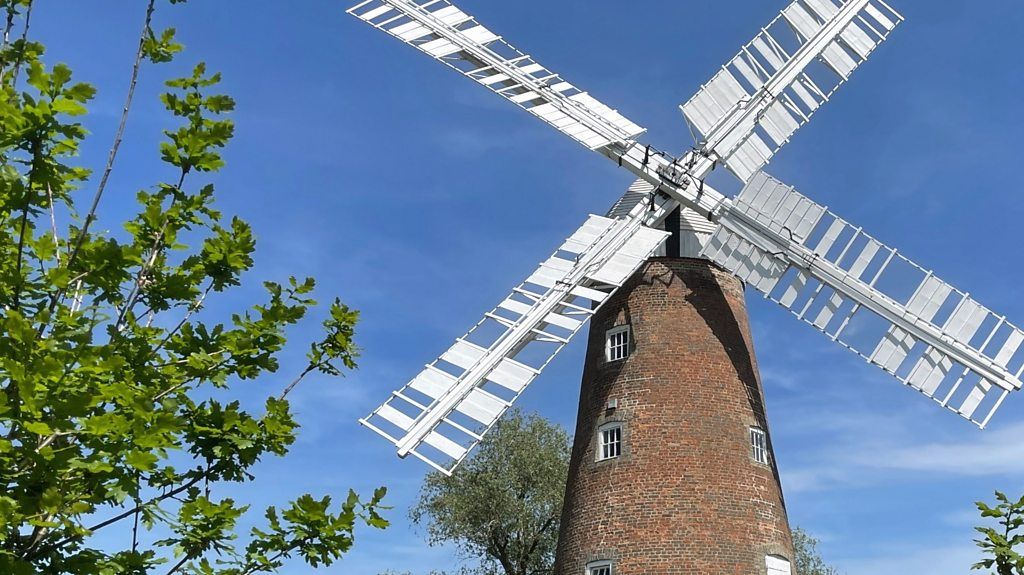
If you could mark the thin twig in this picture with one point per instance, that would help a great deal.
(180, 489)
(182, 384)
(40, 532)
(78, 298)
(8, 26)
(118, 136)
(21, 248)
(138, 511)
(192, 309)
(179, 564)
(50, 439)
(24, 223)
(298, 379)
(140, 278)
(250, 569)
(24, 36)
(53, 222)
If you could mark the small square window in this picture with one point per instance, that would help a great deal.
(600, 568)
(610, 441)
(759, 445)
(617, 342)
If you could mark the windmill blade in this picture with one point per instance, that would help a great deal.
(445, 410)
(752, 107)
(453, 37)
(449, 35)
(870, 299)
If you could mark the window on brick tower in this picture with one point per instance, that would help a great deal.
(759, 445)
(599, 568)
(617, 343)
(777, 565)
(609, 441)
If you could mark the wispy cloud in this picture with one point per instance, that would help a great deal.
(892, 453)
(952, 559)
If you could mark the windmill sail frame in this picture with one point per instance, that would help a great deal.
(447, 408)
(841, 280)
(758, 100)
(826, 271)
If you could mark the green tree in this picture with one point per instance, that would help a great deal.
(1003, 545)
(109, 370)
(808, 558)
(502, 507)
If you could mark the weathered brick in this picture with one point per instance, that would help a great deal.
(685, 496)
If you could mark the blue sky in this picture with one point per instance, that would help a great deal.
(421, 199)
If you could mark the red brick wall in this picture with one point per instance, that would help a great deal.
(685, 497)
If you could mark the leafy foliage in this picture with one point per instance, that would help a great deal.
(503, 505)
(108, 419)
(1004, 545)
(808, 558)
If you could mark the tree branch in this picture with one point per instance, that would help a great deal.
(53, 223)
(24, 223)
(181, 384)
(252, 567)
(295, 382)
(178, 564)
(118, 136)
(140, 278)
(8, 26)
(192, 309)
(540, 534)
(24, 36)
(180, 489)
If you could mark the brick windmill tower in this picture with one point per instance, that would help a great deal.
(672, 468)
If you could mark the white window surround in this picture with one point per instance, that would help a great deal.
(617, 343)
(599, 568)
(759, 445)
(609, 441)
(777, 565)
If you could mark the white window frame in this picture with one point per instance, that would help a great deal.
(618, 351)
(759, 445)
(600, 568)
(604, 448)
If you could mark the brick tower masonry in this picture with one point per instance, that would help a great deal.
(686, 493)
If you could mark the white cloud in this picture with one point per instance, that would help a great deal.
(998, 452)
(955, 559)
(863, 453)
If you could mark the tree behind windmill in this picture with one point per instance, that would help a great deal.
(502, 507)
(807, 558)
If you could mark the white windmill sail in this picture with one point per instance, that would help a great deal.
(445, 410)
(731, 121)
(755, 103)
(451, 36)
(870, 299)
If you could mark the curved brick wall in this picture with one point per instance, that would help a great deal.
(685, 497)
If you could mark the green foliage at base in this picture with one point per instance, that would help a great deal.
(808, 560)
(502, 507)
(1003, 545)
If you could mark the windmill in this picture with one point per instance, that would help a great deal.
(831, 274)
